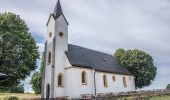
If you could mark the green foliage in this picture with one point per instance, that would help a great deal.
(18, 50)
(36, 82)
(168, 87)
(36, 79)
(11, 98)
(139, 63)
(12, 89)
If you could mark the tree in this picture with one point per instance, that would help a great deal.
(36, 82)
(18, 50)
(139, 63)
(168, 87)
(36, 79)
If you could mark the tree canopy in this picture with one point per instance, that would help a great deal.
(139, 63)
(168, 87)
(36, 79)
(18, 50)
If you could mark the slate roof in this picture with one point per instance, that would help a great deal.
(58, 10)
(83, 57)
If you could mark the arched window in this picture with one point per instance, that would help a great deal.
(49, 57)
(105, 80)
(129, 78)
(47, 91)
(114, 78)
(84, 78)
(124, 82)
(60, 80)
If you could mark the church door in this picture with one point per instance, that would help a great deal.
(47, 91)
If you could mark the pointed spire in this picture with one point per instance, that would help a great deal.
(58, 10)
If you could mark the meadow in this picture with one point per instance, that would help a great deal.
(29, 96)
(21, 96)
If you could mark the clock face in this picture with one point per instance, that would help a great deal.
(50, 34)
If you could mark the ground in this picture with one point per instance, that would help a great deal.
(20, 95)
(25, 96)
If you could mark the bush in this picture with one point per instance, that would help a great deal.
(11, 98)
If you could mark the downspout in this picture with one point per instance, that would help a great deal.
(95, 83)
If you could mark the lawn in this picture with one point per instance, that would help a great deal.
(146, 98)
(22, 96)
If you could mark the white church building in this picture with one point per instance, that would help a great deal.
(72, 71)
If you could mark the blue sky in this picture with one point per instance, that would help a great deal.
(105, 25)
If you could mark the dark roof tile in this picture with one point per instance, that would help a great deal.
(83, 57)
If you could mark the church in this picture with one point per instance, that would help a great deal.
(71, 71)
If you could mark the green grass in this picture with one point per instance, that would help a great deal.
(21, 96)
(160, 98)
(144, 98)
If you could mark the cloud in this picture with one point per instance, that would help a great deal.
(40, 47)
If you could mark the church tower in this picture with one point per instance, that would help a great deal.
(55, 47)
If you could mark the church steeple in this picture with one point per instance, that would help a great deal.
(58, 10)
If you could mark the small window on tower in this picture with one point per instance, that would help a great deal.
(61, 34)
(50, 34)
(49, 57)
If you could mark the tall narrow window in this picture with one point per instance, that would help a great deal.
(84, 78)
(124, 82)
(114, 78)
(60, 80)
(50, 34)
(105, 81)
(49, 57)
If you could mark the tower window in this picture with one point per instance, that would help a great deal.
(60, 80)
(105, 80)
(124, 82)
(61, 34)
(49, 57)
(84, 78)
(50, 34)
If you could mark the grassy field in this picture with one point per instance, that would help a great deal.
(146, 98)
(22, 96)
(37, 97)
(161, 98)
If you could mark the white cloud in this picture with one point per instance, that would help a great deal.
(40, 47)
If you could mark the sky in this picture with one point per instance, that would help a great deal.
(105, 25)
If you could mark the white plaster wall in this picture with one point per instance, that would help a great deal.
(60, 57)
(113, 86)
(74, 87)
(50, 28)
